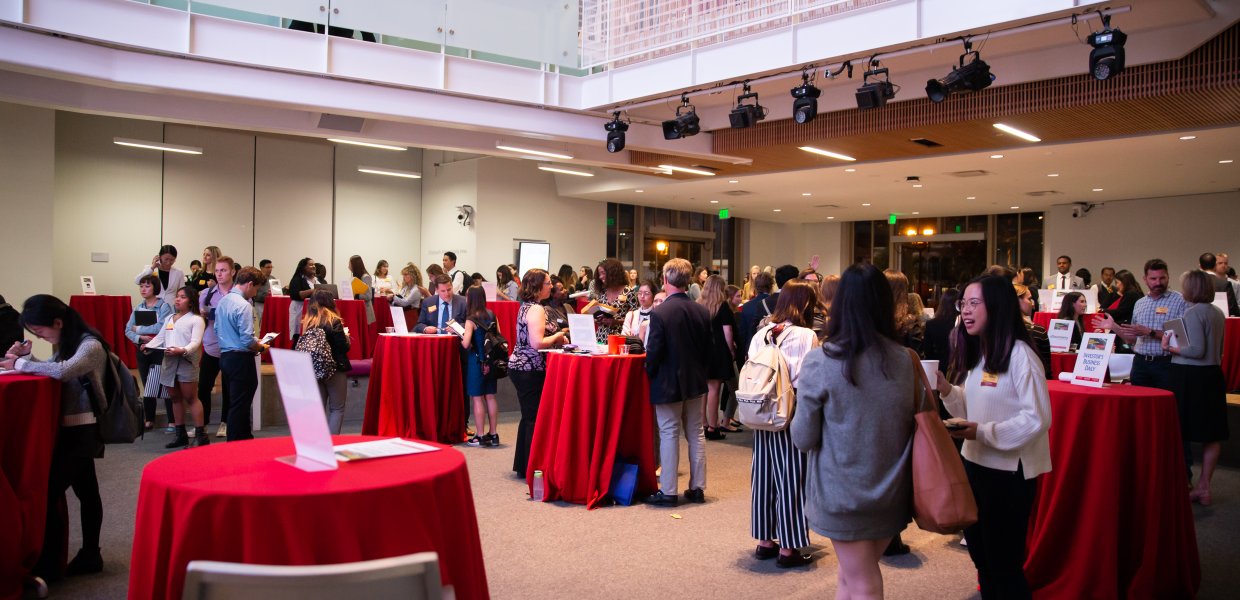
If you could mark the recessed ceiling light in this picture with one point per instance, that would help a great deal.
(917, 212)
(549, 153)
(777, 210)
(714, 202)
(733, 181)
(996, 156)
(971, 198)
(806, 194)
(916, 185)
(391, 172)
(686, 170)
(827, 153)
(1225, 162)
(1013, 207)
(1052, 174)
(1024, 135)
(565, 171)
(367, 144)
(1097, 189)
(865, 204)
(639, 191)
(850, 170)
(1188, 137)
(830, 218)
(119, 141)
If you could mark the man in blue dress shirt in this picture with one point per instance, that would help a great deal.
(234, 326)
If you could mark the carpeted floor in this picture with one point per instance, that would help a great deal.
(537, 550)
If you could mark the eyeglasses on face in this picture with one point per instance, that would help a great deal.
(972, 304)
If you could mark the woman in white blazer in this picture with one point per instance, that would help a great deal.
(1005, 407)
(171, 278)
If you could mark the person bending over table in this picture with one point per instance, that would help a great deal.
(79, 363)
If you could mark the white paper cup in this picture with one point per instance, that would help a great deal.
(931, 367)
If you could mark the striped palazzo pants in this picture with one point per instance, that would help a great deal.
(778, 490)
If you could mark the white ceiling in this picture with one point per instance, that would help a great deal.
(1140, 167)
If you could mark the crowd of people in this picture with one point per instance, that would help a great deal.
(851, 343)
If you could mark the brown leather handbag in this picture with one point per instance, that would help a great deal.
(942, 499)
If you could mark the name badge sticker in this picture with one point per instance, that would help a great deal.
(990, 379)
(1162, 310)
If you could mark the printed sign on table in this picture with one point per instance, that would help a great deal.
(1093, 358)
(88, 285)
(1060, 334)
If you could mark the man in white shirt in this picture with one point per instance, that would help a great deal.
(459, 278)
(1210, 264)
(1064, 279)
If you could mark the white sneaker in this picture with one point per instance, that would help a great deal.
(222, 431)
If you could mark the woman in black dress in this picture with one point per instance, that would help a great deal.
(722, 363)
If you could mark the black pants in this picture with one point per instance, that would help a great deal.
(997, 540)
(529, 386)
(208, 370)
(145, 362)
(240, 383)
(73, 466)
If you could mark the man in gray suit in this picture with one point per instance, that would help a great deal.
(1209, 264)
(1064, 279)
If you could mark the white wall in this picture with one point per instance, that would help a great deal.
(377, 216)
(1126, 234)
(445, 187)
(775, 244)
(292, 203)
(27, 153)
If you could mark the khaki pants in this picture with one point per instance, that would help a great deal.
(672, 419)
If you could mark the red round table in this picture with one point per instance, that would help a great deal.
(29, 420)
(594, 409)
(1231, 354)
(1112, 519)
(506, 315)
(353, 314)
(275, 319)
(109, 314)
(582, 302)
(416, 389)
(1062, 362)
(234, 502)
(1044, 318)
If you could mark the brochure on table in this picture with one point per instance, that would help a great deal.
(489, 288)
(1060, 334)
(380, 449)
(398, 320)
(1092, 359)
(1051, 300)
(307, 422)
(1220, 300)
(345, 290)
(88, 285)
(277, 288)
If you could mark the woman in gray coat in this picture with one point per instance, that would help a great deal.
(854, 419)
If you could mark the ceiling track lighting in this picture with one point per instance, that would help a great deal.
(746, 115)
(615, 133)
(685, 123)
(972, 77)
(1107, 58)
(805, 100)
(876, 94)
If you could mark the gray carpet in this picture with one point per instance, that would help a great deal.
(533, 550)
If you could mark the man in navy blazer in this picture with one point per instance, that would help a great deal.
(677, 348)
(440, 308)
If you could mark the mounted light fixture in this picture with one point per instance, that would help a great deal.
(615, 133)
(661, 246)
(670, 168)
(685, 123)
(746, 115)
(972, 77)
(534, 151)
(565, 170)
(389, 172)
(827, 153)
(1107, 57)
(876, 94)
(132, 143)
(805, 103)
(367, 144)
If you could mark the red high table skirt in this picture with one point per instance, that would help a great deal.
(29, 420)
(416, 389)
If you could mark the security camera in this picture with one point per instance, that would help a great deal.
(1080, 209)
(465, 215)
(1076, 212)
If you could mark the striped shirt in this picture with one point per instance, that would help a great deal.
(1153, 313)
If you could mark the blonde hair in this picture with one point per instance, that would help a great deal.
(319, 315)
(216, 253)
(413, 271)
(827, 289)
(714, 294)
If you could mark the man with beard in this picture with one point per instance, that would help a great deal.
(1152, 364)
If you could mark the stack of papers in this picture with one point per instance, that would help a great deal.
(379, 449)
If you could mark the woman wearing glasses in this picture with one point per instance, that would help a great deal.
(1005, 406)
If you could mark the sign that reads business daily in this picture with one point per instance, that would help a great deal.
(1093, 358)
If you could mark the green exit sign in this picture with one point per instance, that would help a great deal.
(610, 221)
(891, 219)
(723, 213)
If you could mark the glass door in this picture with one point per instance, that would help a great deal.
(934, 266)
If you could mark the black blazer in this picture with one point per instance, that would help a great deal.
(751, 315)
(677, 350)
(1123, 313)
(10, 327)
(430, 318)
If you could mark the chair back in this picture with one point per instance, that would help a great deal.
(1121, 366)
(414, 576)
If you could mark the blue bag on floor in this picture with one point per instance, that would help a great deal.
(623, 482)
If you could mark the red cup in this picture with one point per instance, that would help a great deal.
(614, 342)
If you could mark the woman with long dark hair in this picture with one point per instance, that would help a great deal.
(363, 286)
(506, 287)
(854, 420)
(1005, 406)
(1074, 308)
(1128, 291)
(478, 385)
(611, 290)
(1037, 333)
(79, 362)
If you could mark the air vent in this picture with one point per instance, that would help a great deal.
(1042, 193)
(927, 143)
(974, 173)
(737, 193)
(341, 122)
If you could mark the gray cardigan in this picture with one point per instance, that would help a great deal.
(89, 360)
(1204, 325)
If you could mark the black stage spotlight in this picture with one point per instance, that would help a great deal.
(972, 77)
(745, 115)
(1107, 57)
(805, 105)
(875, 95)
(685, 124)
(615, 133)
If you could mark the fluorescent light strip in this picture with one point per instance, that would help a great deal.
(565, 171)
(390, 172)
(534, 151)
(367, 144)
(156, 146)
(1024, 135)
(686, 170)
(827, 153)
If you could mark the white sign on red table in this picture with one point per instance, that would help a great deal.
(1060, 334)
(1092, 359)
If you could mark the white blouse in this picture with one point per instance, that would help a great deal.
(1012, 411)
(185, 332)
(795, 343)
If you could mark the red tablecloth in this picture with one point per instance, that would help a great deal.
(1061, 362)
(275, 318)
(1112, 519)
(582, 302)
(416, 389)
(353, 314)
(593, 410)
(506, 314)
(1044, 318)
(1231, 354)
(29, 420)
(236, 503)
(109, 314)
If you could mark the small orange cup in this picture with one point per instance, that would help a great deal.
(614, 342)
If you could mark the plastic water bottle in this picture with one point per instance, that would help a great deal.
(539, 490)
